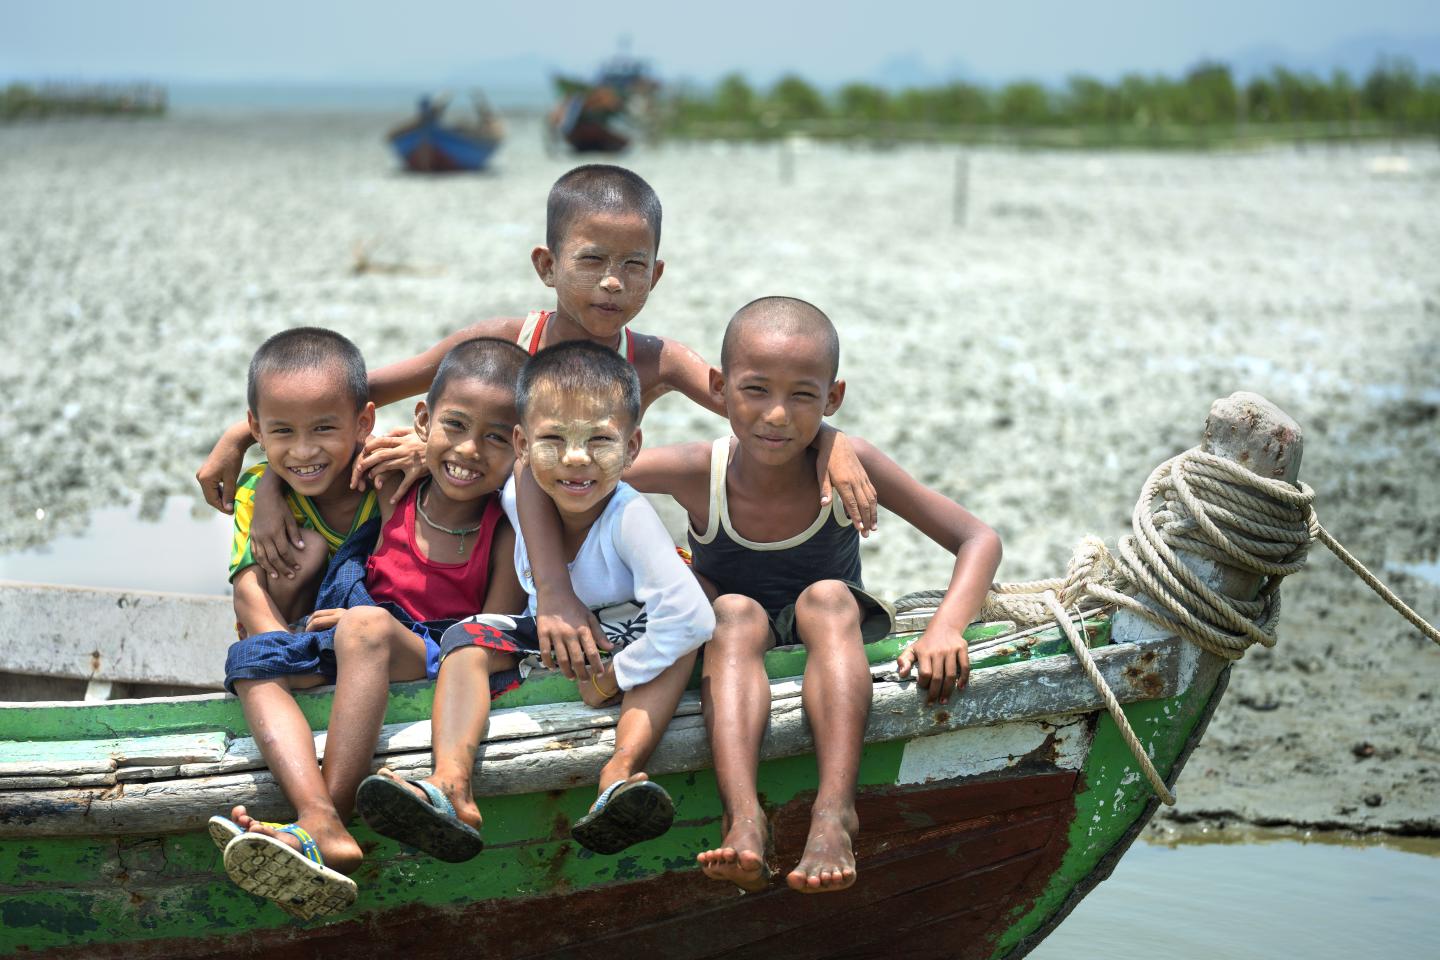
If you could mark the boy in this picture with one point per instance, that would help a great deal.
(780, 574)
(602, 239)
(579, 406)
(307, 390)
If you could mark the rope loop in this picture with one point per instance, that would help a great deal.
(1205, 506)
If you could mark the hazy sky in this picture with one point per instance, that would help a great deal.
(386, 41)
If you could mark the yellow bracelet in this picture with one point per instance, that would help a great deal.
(595, 682)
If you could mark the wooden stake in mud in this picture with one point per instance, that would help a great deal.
(962, 190)
(1253, 432)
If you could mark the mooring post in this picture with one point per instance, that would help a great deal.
(787, 160)
(1253, 432)
(961, 205)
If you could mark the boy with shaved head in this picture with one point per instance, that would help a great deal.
(779, 573)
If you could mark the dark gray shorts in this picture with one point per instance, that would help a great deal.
(877, 619)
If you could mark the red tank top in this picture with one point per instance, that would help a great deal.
(424, 587)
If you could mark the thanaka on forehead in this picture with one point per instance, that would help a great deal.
(784, 317)
(580, 369)
(600, 188)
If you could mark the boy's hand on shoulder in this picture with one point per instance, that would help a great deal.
(840, 472)
(600, 689)
(218, 474)
(569, 635)
(941, 658)
(274, 534)
(395, 460)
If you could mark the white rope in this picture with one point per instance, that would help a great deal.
(1200, 504)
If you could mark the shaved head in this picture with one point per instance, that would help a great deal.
(787, 317)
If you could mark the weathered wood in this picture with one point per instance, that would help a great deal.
(1029, 690)
(49, 757)
(109, 635)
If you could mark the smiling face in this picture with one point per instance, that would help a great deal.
(310, 429)
(602, 272)
(777, 392)
(467, 437)
(576, 448)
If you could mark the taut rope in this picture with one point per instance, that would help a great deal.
(1205, 505)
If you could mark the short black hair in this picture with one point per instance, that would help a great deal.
(487, 359)
(581, 368)
(599, 186)
(785, 315)
(308, 348)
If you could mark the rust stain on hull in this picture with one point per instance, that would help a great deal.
(941, 870)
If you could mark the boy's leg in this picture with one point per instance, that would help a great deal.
(462, 708)
(836, 694)
(288, 746)
(645, 712)
(736, 696)
(295, 598)
(372, 649)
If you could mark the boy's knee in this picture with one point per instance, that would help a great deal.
(734, 611)
(363, 630)
(828, 599)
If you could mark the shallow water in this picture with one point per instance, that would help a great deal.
(183, 550)
(1258, 901)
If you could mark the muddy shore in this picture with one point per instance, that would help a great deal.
(1034, 362)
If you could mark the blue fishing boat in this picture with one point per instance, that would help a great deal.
(427, 146)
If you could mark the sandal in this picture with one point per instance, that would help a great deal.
(295, 880)
(626, 813)
(429, 825)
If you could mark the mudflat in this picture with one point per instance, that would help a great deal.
(1035, 361)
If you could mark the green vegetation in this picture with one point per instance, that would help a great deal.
(21, 101)
(1207, 107)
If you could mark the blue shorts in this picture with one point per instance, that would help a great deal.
(280, 653)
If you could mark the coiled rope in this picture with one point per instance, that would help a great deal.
(1201, 504)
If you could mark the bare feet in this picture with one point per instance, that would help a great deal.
(340, 851)
(828, 863)
(741, 859)
(458, 794)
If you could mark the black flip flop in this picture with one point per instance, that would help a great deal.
(626, 813)
(429, 826)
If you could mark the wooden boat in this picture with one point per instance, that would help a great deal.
(427, 146)
(984, 821)
(603, 116)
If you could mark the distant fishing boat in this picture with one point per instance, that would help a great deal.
(427, 146)
(605, 115)
(984, 821)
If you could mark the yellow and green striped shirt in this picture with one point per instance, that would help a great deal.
(303, 509)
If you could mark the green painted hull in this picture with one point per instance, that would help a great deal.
(1069, 799)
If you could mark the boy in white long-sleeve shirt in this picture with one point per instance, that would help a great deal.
(579, 407)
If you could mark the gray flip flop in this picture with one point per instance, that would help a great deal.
(431, 827)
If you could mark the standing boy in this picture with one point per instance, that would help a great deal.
(781, 574)
(579, 406)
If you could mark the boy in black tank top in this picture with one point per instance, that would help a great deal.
(777, 572)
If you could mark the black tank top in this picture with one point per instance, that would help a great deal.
(772, 574)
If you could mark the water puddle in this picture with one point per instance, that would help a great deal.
(1257, 895)
(178, 552)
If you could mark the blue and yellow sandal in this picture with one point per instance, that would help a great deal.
(626, 813)
(295, 880)
(428, 824)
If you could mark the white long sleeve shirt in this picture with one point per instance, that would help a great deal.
(628, 557)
